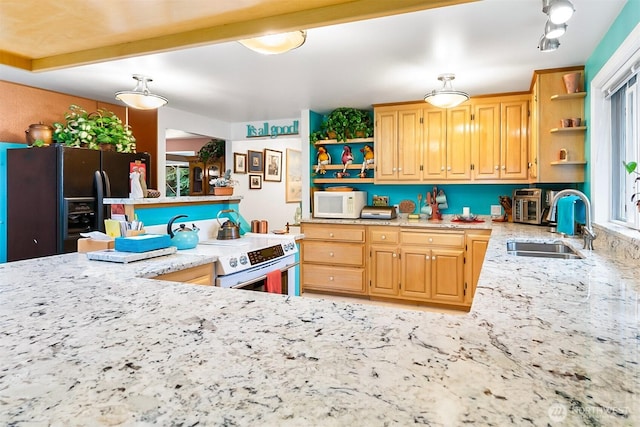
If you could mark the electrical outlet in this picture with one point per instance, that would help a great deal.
(496, 211)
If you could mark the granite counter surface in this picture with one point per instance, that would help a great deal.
(547, 342)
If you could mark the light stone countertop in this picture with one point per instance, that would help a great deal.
(547, 342)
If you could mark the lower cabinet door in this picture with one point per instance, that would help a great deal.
(447, 275)
(383, 270)
(334, 279)
(415, 275)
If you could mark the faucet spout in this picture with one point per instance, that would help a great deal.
(587, 231)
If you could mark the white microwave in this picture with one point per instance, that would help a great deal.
(339, 204)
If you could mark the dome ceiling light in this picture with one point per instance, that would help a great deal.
(548, 45)
(446, 97)
(276, 43)
(140, 97)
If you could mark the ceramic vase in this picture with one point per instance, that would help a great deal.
(572, 82)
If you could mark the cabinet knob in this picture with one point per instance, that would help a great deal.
(433, 258)
(442, 168)
(394, 169)
(394, 255)
(331, 254)
(448, 168)
(504, 167)
(399, 169)
(497, 167)
(383, 237)
(331, 278)
(427, 257)
(430, 240)
(330, 234)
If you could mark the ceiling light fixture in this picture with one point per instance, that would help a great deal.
(446, 97)
(559, 11)
(276, 43)
(140, 97)
(548, 45)
(553, 31)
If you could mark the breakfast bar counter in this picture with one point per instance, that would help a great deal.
(547, 342)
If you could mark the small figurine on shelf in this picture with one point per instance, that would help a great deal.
(368, 160)
(347, 159)
(324, 158)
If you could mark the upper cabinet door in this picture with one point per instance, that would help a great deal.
(459, 143)
(514, 132)
(409, 137)
(434, 143)
(485, 147)
(386, 144)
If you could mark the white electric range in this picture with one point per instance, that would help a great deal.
(245, 262)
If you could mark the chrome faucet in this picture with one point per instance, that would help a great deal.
(587, 231)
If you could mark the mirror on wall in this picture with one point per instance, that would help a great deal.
(183, 174)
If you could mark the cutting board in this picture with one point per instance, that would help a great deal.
(112, 255)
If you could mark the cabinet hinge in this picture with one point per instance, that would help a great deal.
(464, 260)
(473, 166)
(421, 167)
(369, 283)
(464, 291)
(473, 116)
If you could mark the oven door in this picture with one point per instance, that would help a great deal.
(255, 279)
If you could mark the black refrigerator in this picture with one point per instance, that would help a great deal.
(55, 193)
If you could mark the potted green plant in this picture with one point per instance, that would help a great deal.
(213, 149)
(94, 130)
(347, 122)
(223, 186)
(631, 168)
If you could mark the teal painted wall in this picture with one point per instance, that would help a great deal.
(626, 21)
(162, 215)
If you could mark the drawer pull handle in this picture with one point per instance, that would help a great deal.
(330, 234)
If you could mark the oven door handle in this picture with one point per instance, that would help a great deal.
(264, 276)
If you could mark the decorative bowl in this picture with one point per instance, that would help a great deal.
(469, 218)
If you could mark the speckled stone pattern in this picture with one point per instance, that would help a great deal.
(618, 244)
(547, 342)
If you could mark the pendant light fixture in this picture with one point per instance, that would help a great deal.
(548, 45)
(140, 97)
(553, 31)
(276, 43)
(559, 11)
(446, 97)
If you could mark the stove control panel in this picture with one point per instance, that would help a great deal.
(235, 262)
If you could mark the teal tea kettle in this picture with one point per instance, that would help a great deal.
(183, 237)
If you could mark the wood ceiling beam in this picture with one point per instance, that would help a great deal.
(304, 19)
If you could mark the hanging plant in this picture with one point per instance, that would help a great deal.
(213, 149)
(631, 168)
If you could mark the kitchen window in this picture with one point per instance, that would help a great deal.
(625, 106)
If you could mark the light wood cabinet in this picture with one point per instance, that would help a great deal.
(500, 139)
(333, 259)
(398, 133)
(199, 275)
(458, 165)
(423, 266)
(476, 247)
(550, 104)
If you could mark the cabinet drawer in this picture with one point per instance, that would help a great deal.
(333, 254)
(200, 275)
(337, 279)
(328, 232)
(440, 239)
(384, 235)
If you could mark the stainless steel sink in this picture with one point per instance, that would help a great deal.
(542, 250)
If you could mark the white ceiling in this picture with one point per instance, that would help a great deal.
(490, 45)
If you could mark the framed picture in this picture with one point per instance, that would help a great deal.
(293, 184)
(255, 182)
(239, 163)
(273, 165)
(256, 162)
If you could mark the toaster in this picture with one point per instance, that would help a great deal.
(378, 212)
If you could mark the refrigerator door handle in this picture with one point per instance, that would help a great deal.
(99, 184)
(107, 184)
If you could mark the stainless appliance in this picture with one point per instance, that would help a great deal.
(528, 205)
(378, 212)
(245, 262)
(54, 193)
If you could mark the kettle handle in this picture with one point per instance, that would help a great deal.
(225, 211)
(169, 230)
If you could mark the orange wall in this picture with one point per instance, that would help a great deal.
(21, 106)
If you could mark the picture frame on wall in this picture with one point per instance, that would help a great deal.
(293, 183)
(239, 163)
(256, 161)
(255, 182)
(273, 165)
